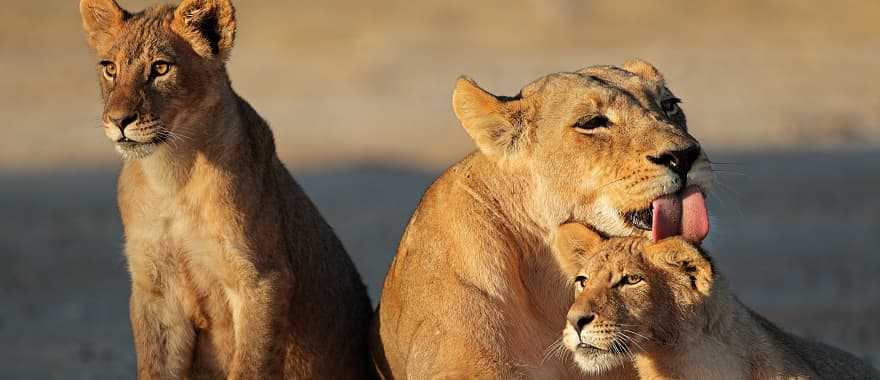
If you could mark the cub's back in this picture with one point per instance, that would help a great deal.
(825, 361)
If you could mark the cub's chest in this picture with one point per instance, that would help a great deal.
(187, 251)
(180, 226)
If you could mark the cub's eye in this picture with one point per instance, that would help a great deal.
(589, 123)
(581, 281)
(160, 68)
(670, 106)
(109, 69)
(632, 279)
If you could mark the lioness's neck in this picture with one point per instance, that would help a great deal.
(506, 191)
(507, 213)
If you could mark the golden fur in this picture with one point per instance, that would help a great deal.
(234, 272)
(474, 290)
(663, 307)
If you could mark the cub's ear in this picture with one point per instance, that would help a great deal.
(497, 125)
(102, 20)
(677, 255)
(643, 69)
(207, 25)
(571, 242)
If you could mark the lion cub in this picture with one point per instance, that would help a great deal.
(664, 307)
(234, 272)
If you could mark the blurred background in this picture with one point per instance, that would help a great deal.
(358, 94)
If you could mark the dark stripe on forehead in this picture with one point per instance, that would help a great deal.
(620, 90)
(614, 78)
(606, 69)
(600, 80)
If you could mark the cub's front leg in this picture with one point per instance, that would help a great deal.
(163, 334)
(259, 302)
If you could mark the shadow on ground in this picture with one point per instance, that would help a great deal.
(796, 233)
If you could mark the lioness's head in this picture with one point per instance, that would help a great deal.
(631, 294)
(606, 146)
(158, 69)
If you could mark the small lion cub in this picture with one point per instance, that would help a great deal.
(663, 307)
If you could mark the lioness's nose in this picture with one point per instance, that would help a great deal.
(680, 161)
(579, 320)
(122, 120)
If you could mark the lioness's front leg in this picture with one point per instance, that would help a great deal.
(163, 335)
(259, 309)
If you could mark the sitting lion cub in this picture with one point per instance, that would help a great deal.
(665, 308)
(234, 272)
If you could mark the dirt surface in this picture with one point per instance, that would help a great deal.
(797, 234)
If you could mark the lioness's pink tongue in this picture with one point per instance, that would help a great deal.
(667, 217)
(694, 216)
(683, 215)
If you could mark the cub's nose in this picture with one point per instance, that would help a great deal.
(679, 161)
(122, 120)
(579, 320)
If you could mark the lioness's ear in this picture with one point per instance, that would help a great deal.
(571, 243)
(208, 26)
(643, 69)
(102, 20)
(497, 126)
(676, 254)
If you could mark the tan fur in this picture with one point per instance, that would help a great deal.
(681, 321)
(474, 290)
(234, 272)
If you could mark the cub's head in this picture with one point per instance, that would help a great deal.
(606, 146)
(631, 294)
(159, 69)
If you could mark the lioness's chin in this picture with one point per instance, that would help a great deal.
(611, 220)
(134, 151)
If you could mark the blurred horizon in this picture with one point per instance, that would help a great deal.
(344, 81)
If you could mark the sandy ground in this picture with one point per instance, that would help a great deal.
(797, 234)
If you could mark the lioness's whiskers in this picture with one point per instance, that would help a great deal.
(722, 171)
(727, 163)
(611, 183)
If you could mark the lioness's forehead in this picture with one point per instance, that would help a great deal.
(145, 33)
(606, 80)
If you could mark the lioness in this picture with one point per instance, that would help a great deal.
(664, 307)
(234, 272)
(474, 290)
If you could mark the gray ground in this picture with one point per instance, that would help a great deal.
(796, 234)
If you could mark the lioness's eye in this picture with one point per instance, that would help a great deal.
(160, 68)
(670, 106)
(632, 279)
(592, 122)
(109, 69)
